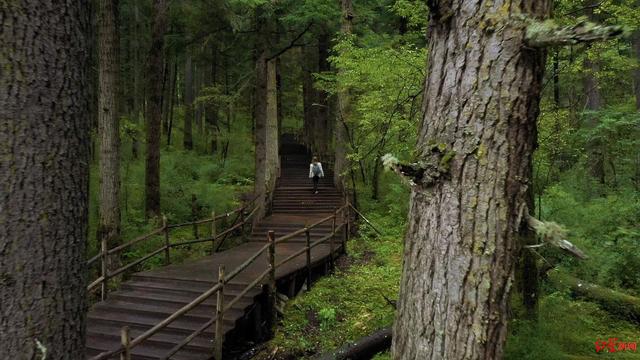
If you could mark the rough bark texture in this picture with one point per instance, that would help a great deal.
(635, 44)
(260, 112)
(188, 103)
(344, 106)
(476, 141)
(44, 173)
(109, 122)
(155, 63)
(272, 158)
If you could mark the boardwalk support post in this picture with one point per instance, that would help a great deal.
(213, 232)
(167, 246)
(219, 314)
(271, 237)
(308, 236)
(347, 228)
(243, 221)
(104, 256)
(332, 238)
(194, 215)
(125, 340)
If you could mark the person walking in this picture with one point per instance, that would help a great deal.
(315, 173)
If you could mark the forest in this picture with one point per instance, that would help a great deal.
(161, 193)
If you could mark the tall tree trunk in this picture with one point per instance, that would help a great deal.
(138, 98)
(172, 99)
(155, 61)
(44, 178)
(635, 45)
(556, 78)
(187, 141)
(308, 97)
(593, 102)
(344, 106)
(260, 110)
(109, 122)
(476, 141)
(266, 114)
(211, 110)
(322, 124)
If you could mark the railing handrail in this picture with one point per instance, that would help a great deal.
(106, 275)
(216, 288)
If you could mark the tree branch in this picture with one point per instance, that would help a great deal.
(555, 235)
(549, 33)
(292, 44)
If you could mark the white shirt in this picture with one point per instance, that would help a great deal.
(311, 170)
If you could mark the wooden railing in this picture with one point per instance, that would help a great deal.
(342, 214)
(216, 239)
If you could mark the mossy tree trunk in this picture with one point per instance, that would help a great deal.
(344, 105)
(44, 177)
(478, 134)
(187, 141)
(155, 62)
(109, 122)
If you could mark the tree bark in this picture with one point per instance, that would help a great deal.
(476, 141)
(211, 110)
(635, 44)
(260, 111)
(138, 98)
(593, 102)
(322, 127)
(155, 62)
(188, 103)
(344, 106)
(109, 122)
(44, 177)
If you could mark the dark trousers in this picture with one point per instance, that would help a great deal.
(316, 179)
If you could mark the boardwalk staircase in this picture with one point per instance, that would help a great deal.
(200, 310)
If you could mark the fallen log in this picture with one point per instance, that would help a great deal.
(362, 349)
(615, 302)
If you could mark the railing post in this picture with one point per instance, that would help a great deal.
(347, 229)
(331, 239)
(219, 314)
(104, 258)
(194, 215)
(125, 340)
(167, 246)
(243, 227)
(271, 237)
(213, 232)
(308, 236)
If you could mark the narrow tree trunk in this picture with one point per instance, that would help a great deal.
(155, 61)
(44, 178)
(211, 110)
(272, 162)
(187, 141)
(138, 98)
(556, 78)
(476, 141)
(593, 102)
(260, 111)
(344, 106)
(172, 99)
(635, 45)
(109, 122)
(308, 98)
(322, 124)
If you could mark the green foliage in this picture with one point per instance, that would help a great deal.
(566, 328)
(347, 305)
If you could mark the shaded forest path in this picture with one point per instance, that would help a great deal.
(149, 297)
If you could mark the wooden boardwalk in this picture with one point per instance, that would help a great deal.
(149, 297)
